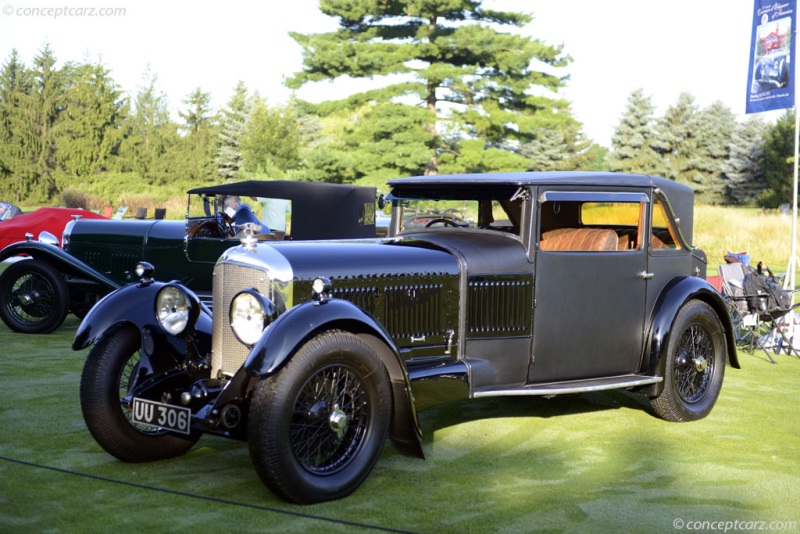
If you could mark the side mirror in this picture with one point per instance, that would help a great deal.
(381, 201)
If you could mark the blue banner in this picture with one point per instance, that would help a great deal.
(770, 79)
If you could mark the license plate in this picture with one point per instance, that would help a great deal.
(167, 416)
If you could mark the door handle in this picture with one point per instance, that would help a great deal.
(645, 275)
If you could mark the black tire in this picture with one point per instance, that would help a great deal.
(316, 428)
(34, 297)
(108, 368)
(695, 365)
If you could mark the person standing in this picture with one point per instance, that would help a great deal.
(274, 212)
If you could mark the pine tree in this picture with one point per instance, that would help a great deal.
(449, 60)
(198, 146)
(18, 137)
(675, 139)
(778, 162)
(151, 136)
(272, 139)
(714, 129)
(91, 130)
(743, 171)
(233, 121)
(632, 142)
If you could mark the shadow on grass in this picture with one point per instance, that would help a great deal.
(595, 461)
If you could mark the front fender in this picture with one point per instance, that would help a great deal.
(59, 259)
(291, 329)
(135, 304)
(675, 294)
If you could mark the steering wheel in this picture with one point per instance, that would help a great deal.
(225, 222)
(445, 222)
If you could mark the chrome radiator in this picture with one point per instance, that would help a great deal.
(228, 353)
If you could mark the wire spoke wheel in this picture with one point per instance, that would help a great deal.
(694, 365)
(109, 372)
(34, 297)
(330, 419)
(317, 427)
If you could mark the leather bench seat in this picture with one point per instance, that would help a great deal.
(575, 239)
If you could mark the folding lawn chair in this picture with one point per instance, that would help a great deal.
(758, 306)
(748, 327)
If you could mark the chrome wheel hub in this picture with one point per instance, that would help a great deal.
(700, 363)
(338, 421)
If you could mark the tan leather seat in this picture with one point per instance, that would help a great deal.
(586, 239)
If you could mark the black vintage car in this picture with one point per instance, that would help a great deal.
(99, 256)
(544, 284)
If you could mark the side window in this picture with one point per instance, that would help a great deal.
(591, 225)
(662, 235)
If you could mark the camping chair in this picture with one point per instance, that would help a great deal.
(120, 212)
(748, 326)
(776, 305)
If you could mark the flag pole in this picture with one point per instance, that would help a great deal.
(789, 281)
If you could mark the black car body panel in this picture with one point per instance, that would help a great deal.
(543, 284)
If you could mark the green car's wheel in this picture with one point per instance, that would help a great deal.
(34, 297)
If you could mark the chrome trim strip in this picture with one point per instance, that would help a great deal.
(538, 391)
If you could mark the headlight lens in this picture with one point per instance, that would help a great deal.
(172, 309)
(250, 314)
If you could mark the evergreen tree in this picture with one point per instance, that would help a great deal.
(45, 104)
(632, 142)
(233, 121)
(714, 129)
(743, 171)
(559, 150)
(18, 137)
(199, 142)
(778, 162)
(91, 130)
(151, 135)
(272, 138)
(675, 139)
(471, 80)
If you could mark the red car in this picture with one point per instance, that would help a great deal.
(14, 224)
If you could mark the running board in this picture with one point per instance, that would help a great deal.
(574, 386)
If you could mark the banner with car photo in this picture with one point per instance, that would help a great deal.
(771, 83)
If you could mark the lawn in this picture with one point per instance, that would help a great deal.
(591, 462)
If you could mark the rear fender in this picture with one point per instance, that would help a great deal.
(290, 330)
(675, 294)
(59, 259)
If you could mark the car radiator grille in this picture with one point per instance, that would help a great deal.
(227, 353)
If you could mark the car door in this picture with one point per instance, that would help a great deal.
(590, 294)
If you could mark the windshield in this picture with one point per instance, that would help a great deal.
(7, 211)
(486, 210)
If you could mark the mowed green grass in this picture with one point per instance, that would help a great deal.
(593, 462)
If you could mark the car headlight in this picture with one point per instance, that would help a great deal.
(250, 314)
(172, 309)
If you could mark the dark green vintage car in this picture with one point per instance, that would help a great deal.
(98, 256)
